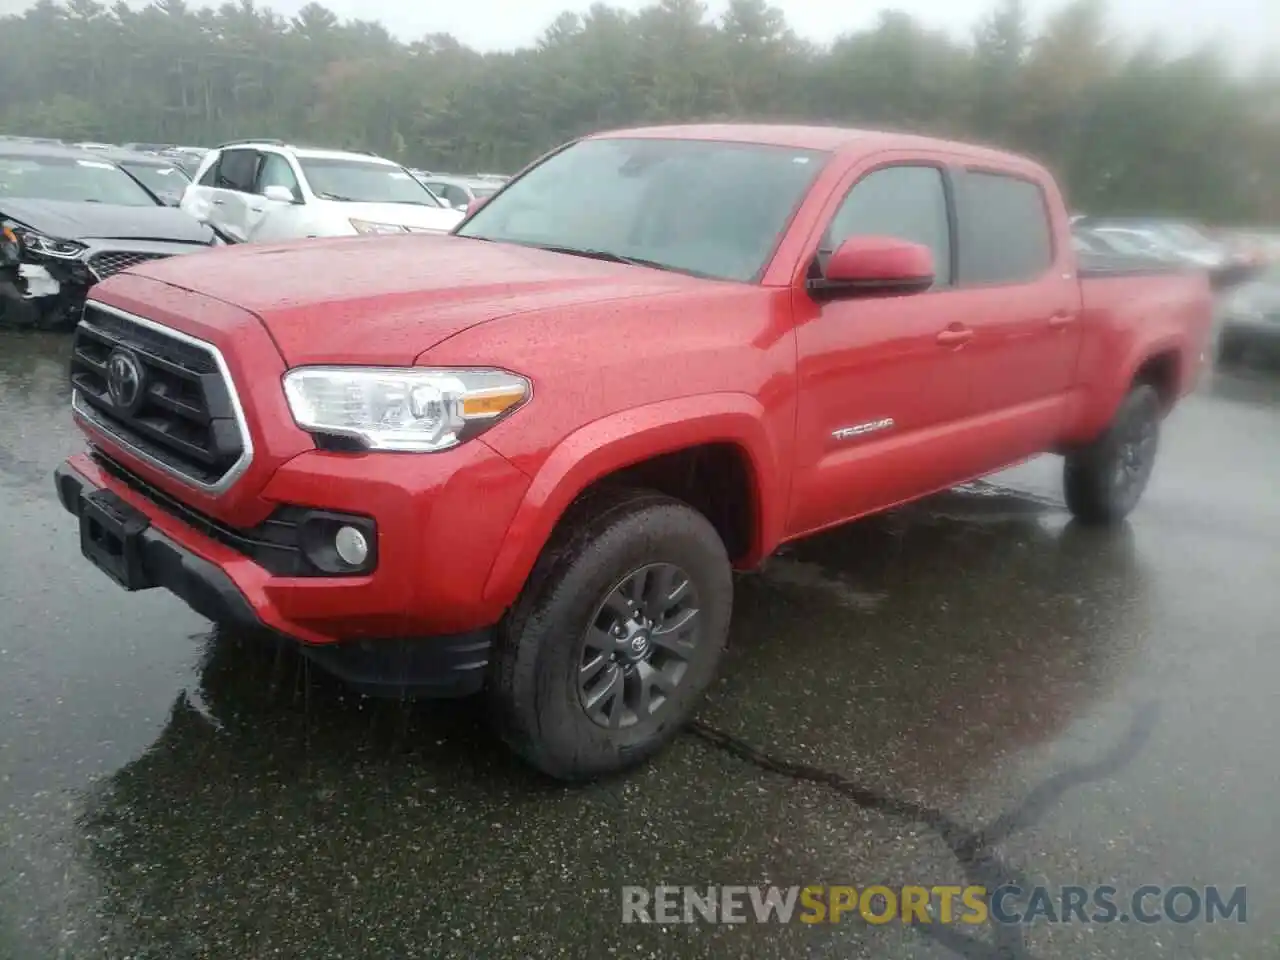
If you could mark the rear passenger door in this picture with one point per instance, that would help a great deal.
(1017, 290)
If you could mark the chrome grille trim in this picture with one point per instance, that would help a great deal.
(90, 416)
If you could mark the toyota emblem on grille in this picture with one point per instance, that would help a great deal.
(124, 380)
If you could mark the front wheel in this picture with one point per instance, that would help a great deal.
(617, 634)
(1104, 481)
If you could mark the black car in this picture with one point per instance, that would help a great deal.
(1251, 320)
(77, 218)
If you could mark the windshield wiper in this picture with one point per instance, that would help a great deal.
(605, 255)
(336, 196)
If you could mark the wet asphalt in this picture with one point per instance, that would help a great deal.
(969, 690)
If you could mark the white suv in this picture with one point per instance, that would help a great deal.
(265, 191)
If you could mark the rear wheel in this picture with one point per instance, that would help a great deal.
(1104, 481)
(617, 634)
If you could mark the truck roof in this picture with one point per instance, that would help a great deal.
(824, 138)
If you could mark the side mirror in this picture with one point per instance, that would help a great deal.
(279, 193)
(476, 204)
(875, 266)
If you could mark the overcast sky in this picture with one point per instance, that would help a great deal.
(1247, 28)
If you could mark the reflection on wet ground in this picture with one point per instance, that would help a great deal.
(971, 689)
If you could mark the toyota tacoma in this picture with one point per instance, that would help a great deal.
(525, 458)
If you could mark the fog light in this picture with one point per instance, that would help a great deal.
(351, 545)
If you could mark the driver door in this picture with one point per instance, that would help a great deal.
(269, 220)
(882, 379)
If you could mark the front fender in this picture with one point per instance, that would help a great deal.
(629, 437)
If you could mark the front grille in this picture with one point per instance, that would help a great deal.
(103, 265)
(273, 544)
(182, 417)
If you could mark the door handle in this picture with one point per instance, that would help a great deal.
(257, 209)
(1061, 319)
(217, 203)
(955, 337)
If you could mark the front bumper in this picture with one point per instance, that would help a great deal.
(415, 626)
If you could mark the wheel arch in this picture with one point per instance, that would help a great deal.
(1162, 369)
(649, 447)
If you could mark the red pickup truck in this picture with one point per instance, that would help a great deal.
(525, 457)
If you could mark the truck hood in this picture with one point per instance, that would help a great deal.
(385, 300)
(65, 220)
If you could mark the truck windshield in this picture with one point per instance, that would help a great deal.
(69, 178)
(359, 181)
(703, 207)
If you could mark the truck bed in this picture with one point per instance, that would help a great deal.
(1119, 265)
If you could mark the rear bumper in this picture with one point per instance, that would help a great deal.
(169, 555)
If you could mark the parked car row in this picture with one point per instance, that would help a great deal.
(1251, 319)
(74, 214)
(185, 158)
(1168, 241)
(460, 191)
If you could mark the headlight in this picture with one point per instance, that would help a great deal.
(10, 247)
(402, 409)
(41, 245)
(368, 226)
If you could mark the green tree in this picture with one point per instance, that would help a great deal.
(1127, 126)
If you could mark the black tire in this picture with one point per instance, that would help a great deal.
(1105, 480)
(535, 685)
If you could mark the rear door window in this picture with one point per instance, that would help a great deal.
(1005, 234)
